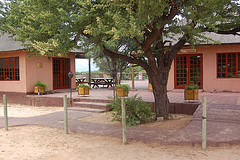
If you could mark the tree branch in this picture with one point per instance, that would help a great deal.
(86, 35)
(176, 48)
(173, 11)
(157, 31)
(151, 38)
(137, 41)
(125, 57)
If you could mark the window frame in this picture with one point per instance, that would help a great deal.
(226, 64)
(2, 73)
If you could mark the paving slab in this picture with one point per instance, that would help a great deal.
(223, 120)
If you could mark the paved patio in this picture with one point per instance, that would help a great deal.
(175, 96)
(223, 120)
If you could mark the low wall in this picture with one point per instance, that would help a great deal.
(180, 108)
(22, 98)
(183, 108)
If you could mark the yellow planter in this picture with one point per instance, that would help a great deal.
(39, 89)
(150, 87)
(83, 90)
(191, 94)
(121, 93)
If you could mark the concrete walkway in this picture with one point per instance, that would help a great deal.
(223, 122)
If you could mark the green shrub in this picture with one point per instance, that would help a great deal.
(84, 85)
(136, 110)
(44, 85)
(192, 86)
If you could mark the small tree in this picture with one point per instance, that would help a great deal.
(107, 64)
(113, 66)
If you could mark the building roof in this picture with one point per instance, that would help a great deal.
(224, 38)
(8, 44)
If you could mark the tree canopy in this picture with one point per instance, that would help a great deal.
(156, 29)
(59, 25)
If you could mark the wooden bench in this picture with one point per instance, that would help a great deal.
(102, 81)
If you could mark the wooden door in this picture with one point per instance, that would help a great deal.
(188, 70)
(61, 67)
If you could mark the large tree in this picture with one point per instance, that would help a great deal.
(157, 28)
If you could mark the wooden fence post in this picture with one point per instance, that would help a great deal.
(65, 114)
(204, 123)
(124, 126)
(5, 112)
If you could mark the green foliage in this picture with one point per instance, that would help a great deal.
(84, 85)
(136, 69)
(125, 87)
(54, 27)
(136, 110)
(44, 85)
(192, 86)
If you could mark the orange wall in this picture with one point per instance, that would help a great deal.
(15, 86)
(44, 73)
(30, 72)
(35, 73)
(210, 80)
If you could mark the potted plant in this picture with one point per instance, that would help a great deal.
(40, 87)
(83, 89)
(191, 92)
(122, 90)
(150, 87)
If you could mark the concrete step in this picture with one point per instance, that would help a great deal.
(92, 105)
(92, 110)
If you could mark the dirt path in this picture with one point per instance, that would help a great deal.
(38, 142)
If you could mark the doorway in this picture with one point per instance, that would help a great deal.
(188, 70)
(61, 67)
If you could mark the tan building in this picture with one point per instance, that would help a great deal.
(212, 67)
(19, 73)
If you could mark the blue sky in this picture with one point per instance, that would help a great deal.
(82, 65)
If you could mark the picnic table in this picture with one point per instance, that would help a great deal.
(80, 81)
(102, 81)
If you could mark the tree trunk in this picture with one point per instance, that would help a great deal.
(120, 77)
(159, 84)
(161, 101)
(157, 70)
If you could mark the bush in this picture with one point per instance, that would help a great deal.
(192, 86)
(136, 110)
(84, 85)
(44, 85)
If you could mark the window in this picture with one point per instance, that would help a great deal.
(9, 69)
(228, 65)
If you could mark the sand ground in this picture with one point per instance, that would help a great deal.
(40, 142)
